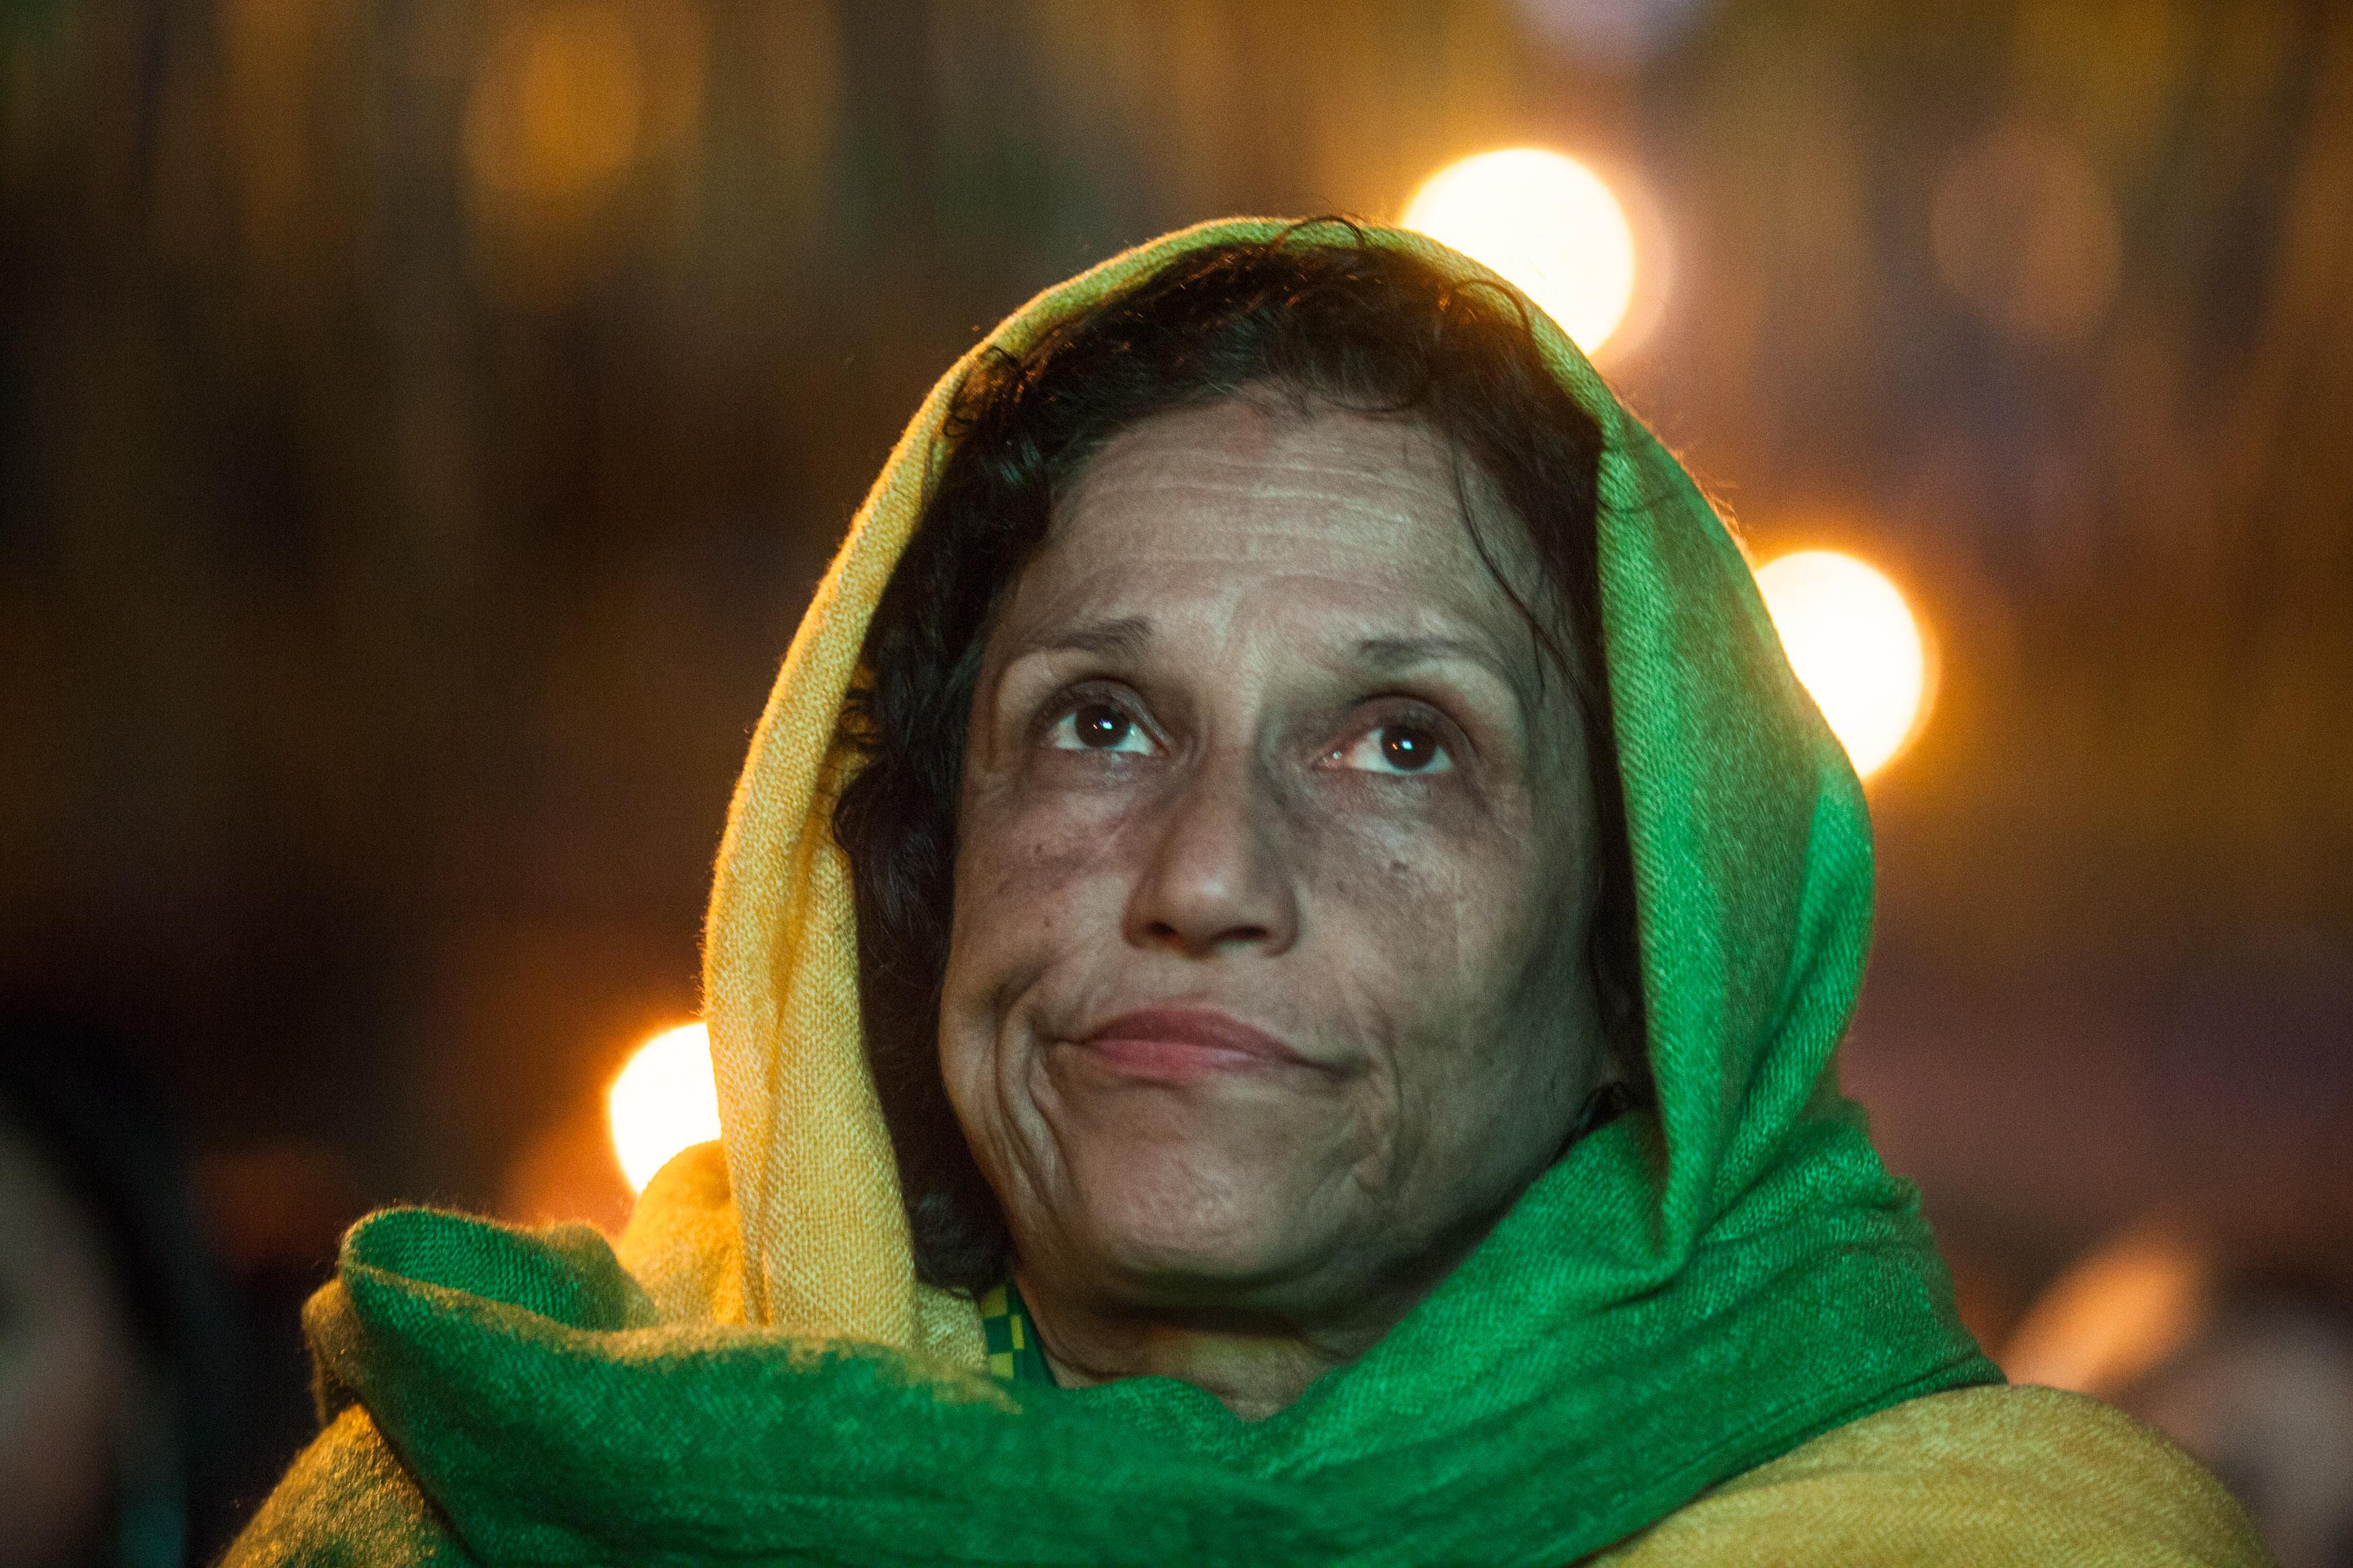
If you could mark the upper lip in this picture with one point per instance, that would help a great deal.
(1196, 1026)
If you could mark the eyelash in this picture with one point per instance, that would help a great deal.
(1388, 712)
(1406, 712)
(1067, 702)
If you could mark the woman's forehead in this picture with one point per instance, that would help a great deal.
(1289, 510)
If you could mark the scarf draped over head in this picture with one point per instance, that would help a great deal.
(1692, 1290)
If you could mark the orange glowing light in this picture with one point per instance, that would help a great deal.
(555, 113)
(1545, 222)
(663, 1102)
(1854, 642)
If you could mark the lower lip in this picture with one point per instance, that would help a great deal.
(1176, 1061)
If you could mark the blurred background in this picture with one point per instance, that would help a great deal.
(422, 422)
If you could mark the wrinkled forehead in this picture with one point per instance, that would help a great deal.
(1294, 511)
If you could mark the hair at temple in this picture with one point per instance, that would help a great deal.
(1317, 315)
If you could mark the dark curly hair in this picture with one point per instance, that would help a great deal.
(1318, 316)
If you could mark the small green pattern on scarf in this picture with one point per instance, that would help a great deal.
(1013, 1351)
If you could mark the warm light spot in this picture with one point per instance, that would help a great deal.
(664, 1100)
(1852, 641)
(1546, 223)
(2023, 230)
(2115, 1315)
(554, 115)
(1612, 33)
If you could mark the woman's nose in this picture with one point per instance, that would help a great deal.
(1217, 879)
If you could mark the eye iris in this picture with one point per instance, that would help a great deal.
(1101, 725)
(1408, 750)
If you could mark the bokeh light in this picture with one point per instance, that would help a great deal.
(554, 115)
(2115, 1314)
(664, 1100)
(1545, 222)
(1855, 644)
(1621, 32)
(580, 134)
(2024, 230)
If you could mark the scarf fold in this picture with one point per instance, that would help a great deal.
(1691, 1291)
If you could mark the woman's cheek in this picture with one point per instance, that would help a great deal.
(1420, 899)
(1032, 849)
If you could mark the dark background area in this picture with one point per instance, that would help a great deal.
(422, 421)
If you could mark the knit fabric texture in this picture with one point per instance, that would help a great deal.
(1978, 1476)
(1689, 1293)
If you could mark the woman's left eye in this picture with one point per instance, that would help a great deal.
(1098, 726)
(1398, 747)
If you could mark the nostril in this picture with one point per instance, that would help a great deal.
(1164, 933)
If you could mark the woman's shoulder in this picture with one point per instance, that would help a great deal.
(1977, 1476)
(346, 1501)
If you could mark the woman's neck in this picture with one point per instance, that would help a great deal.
(1255, 1365)
(1254, 1374)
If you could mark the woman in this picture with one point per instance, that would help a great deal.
(1350, 915)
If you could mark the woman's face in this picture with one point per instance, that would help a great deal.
(1267, 990)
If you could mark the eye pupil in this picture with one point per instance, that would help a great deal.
(1405, 749)
(1101, 725)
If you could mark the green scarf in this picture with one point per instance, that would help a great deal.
(1692, 1290)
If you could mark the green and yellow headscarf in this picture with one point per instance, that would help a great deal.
(1686, 1295)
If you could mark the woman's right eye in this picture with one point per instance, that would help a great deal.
(1098, 726)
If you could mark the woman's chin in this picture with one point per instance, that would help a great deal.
(1179, 1235)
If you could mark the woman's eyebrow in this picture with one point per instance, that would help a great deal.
(1125, 636)
(1392, 655)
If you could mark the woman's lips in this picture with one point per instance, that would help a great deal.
(1182, 1044)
